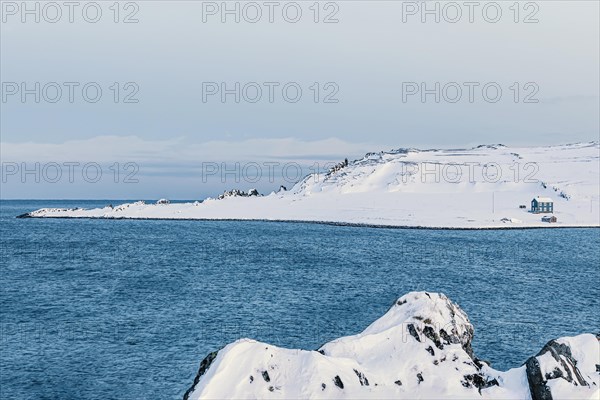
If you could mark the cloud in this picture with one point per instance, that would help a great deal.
(569, 99)
(180, 152)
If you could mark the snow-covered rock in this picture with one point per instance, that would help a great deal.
(163, 201)
(56, 212)
(238, 193)
(421, 348)
(565, 368)
(481, 187)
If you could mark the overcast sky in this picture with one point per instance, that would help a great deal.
(362, 69)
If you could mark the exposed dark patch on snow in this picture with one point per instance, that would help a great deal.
(204, 365)
(433, 336)
(478, 381)
(338, 382)
(362, 378)
(266, 376)
(413, 332)
(238, 193)
(420, 377)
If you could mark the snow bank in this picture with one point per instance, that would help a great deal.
(482, 187)
(421, 348)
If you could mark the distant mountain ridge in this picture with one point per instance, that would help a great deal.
(488, 186)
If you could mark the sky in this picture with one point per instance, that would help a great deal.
(184, 99)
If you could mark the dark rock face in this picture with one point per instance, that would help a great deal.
(337, 167)
(564, 367)
(430, 350)
(478, 381)
(266, 376)
(413, 332)
(362, 378)
(204, 365)
(433, 336)
(537, 385)
(338, 382)
(238, 193)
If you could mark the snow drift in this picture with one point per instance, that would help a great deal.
(482, 187)
(421, 348)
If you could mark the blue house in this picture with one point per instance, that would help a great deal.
(542, 205)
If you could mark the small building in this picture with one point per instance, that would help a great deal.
(542, 205)
(548, 218)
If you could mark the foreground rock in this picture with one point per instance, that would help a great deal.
(421, 348)
(566, 367)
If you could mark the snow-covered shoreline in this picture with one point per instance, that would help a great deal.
(486, 187)
(421, 348)
(332, 223)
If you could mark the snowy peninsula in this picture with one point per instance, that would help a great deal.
(488, 186)
(421, 348)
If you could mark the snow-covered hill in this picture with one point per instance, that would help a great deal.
(421, 348)
(483, 187)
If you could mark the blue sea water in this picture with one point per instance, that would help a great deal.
(116, 309)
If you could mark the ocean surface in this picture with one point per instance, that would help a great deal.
(117, 309)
